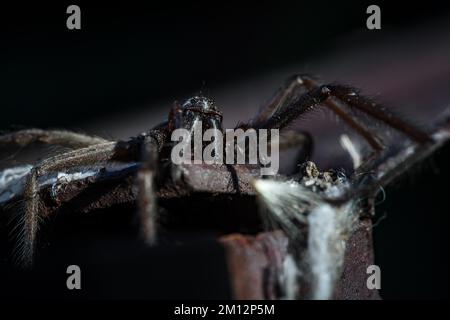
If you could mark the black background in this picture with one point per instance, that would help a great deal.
(130, 53)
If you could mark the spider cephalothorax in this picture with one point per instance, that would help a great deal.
(198, 109)
(151, 150)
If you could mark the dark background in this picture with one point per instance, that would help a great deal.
(126, 55)
(134, 58)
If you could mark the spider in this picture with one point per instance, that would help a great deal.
(297, 96)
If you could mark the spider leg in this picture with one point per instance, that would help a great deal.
(321, 95)
(302, 104)
(350, 97)
(372, 139)
(145, 181)
(287, 91)
(288, 138)
(79, 157)
(150, 146)
(292, 87)
(59, 137)
(354, 100)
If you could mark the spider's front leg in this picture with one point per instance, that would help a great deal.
(56, 137)
(81, 157)
(287, 97)
(284, 114)
(290, 90)
(292, 138)
(144, 148)
(145, 181)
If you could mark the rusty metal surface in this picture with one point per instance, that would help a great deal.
(253, 262)
(358, 256)
(108, 188)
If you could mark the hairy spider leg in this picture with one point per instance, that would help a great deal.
(353, 99)
(85, 156)
(371, 138)
(93, 149)
(151, 146)
(145, 181)
(319, 95)
(292, 87)
(350, 97)
(288, 90)
(387, 170)
(291, 138)
(57, 137)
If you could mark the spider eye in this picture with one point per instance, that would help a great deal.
(200, 103)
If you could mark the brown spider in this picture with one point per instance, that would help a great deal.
(297, 96)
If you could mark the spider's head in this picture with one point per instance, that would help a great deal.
(200, 109)
(200, 103)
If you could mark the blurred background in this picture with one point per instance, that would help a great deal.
(120, 73)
